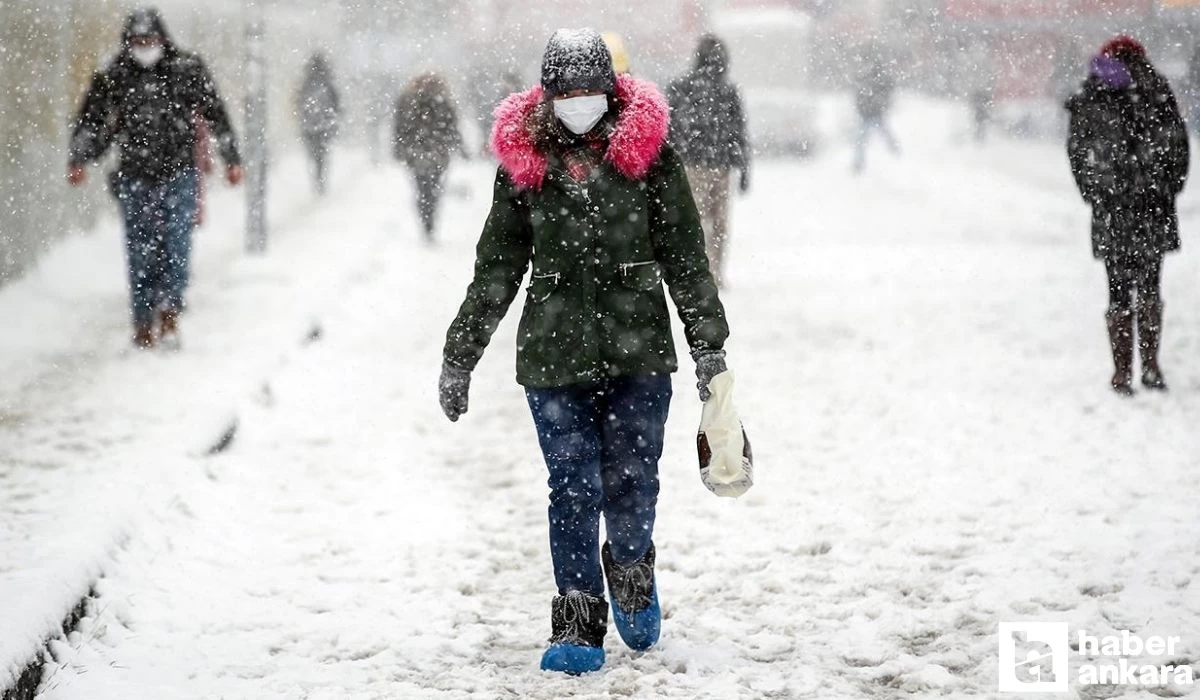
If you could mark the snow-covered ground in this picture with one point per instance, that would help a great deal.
(87, 426)
(922, 368)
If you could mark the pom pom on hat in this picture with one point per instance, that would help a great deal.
(1123, 47)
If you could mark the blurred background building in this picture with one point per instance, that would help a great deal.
(783, 51)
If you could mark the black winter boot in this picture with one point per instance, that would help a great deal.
(1120, 339)
(1149, 335)
(578, 622)
(636, 610)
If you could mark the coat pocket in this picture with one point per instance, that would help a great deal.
(541, 286)
(642, 276)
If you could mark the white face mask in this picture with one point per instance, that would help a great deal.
(580, 114)
(147, 56)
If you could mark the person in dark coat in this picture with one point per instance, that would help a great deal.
(708, 129)
(1129, 154)
(873, 99)
(589, 193)
(318, 108)
(150, 102)
(426, 136)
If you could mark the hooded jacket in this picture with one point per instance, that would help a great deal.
(151, 114)
(600, 249)
(1129, 154)
(708, 126)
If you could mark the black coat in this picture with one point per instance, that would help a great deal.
(318, 104)
(1129, 154)
(875, 89)
(708, 126)
(152, 115)
(426, 125)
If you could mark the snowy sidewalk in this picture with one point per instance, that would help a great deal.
(922, 370)
(91, 431)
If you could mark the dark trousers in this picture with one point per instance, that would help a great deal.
(865, 127)
(427, 179)
(159, 219)
(318, 151)
(602, 443)
(981, 113)
(1129, 274)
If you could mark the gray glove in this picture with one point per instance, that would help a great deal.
(453, 387)
(709, 363)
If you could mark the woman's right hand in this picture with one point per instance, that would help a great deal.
(453, 387)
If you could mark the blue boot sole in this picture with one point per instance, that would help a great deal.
(639, 630)
(573, 659)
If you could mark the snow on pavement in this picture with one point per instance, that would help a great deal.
(922, 369)
(86, 424)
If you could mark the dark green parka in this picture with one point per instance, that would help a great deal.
(601, 249)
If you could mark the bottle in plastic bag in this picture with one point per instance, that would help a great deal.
(726, 460)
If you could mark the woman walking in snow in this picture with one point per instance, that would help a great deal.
(426, 136)
(589, 192)
(1129, 153)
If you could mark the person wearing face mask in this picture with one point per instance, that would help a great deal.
(590, 194)
(151, 103)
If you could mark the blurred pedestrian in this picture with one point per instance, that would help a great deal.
(620, 54)
(318, 109)
(148, 102)
(875, 89)
(589, 192)
(980, 84)
(1129, 153)
(487, 89)
(708, 129)
(426, 136)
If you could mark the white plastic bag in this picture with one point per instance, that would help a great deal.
(726, 461)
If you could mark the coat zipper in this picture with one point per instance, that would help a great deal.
(626, 267)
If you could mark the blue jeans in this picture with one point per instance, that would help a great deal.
(602, 443)
(159, 219)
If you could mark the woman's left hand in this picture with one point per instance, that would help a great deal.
(709, 363)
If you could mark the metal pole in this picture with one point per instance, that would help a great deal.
(256, 132)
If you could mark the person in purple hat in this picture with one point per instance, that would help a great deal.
(1129, 154)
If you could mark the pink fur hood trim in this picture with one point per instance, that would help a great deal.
(634, 146)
